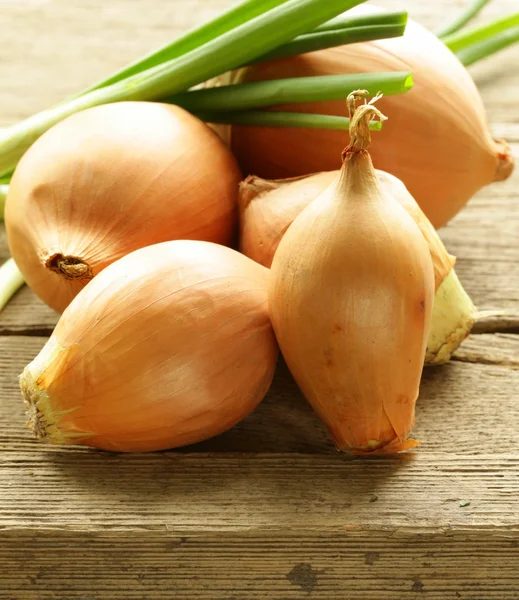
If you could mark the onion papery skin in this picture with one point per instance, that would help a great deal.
(112, 179)
(268, 207)
(168, 346)
(351, 295)
(437, 141)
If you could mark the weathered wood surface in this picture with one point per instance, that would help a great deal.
(268, 510)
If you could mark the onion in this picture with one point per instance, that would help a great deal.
(437, 142)
(110, 180)
(168, 346)
(351, 295)
(268, 207)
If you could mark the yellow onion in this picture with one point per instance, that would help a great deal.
(268, 207)
(437, 142)
(351, 295)
(168, 346)
(110, 180)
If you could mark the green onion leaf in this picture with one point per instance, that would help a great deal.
(11, 280)
(380, 18)
(259, 94)
(3, 195)
(329, 39)
(476, 52)
(462, 19)
(261, 118)
(461, 40)
(223, 23)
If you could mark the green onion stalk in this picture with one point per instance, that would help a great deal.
(483, 41)
(339, 36)
(3, 195)
(262, 118)
(461, 19)
(11, 280)
(227, 21)
(253, 95)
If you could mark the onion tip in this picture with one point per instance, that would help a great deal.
(505, 160)
(42, 419)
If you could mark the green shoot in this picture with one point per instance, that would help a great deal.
(3, 195)
(476, 52)
(11, 280)
(336, 37)
(223, 23)
(261, 118)
(369, 20)
(465, 16)
(461, 40)
(260, 94)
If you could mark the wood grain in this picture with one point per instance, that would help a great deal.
(268, 510)
(186, 493)
(254, 566)
(499, 349)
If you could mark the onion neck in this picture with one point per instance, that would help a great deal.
(505, 160)
(70, 267)
(358, 178)
(358, 173)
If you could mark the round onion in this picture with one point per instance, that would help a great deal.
(436, 141)
(110, 180)
(168, 346)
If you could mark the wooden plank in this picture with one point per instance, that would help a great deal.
(464, 407)
(484, 238)
(255, 566)
(498, 349)
(188, 493)
(496, 322)
(226, 519)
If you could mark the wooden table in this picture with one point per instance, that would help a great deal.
(268, 510)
